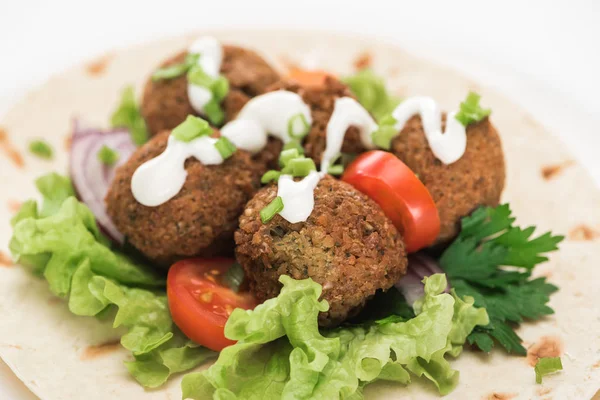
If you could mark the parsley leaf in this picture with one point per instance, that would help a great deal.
(475, 264)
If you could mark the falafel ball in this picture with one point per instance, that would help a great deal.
(321, 101)
(165, 103)
(347, 245)
(199, 221)
(476, 179)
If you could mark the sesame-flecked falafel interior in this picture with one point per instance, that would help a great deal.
(347, 245)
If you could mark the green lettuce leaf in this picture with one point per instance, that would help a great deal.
(282, 354)
(62, 242)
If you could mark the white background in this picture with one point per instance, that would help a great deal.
(544, 55)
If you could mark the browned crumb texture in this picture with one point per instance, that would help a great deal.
(546, 346)
(500, 396)
(9, 150)
(347, 245)
(476, 179)
(165, 103)
(321, 102)
(198, 221)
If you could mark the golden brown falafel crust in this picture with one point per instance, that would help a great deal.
(476, 179)
(347, 245)
(199, 221)
(165, 103)
(321, 101)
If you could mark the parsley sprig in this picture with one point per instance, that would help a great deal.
(475, 264)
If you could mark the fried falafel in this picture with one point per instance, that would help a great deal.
(476, 179)
(165, 103)
(347, 245)
(199, 221)
(321, 100)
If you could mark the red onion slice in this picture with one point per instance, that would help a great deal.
(91, 178)
(419, 266)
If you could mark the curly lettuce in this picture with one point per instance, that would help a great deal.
(61, 241)
(282, 354)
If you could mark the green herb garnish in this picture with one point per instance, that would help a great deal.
(295, 131)
(385, 133)
(545, 366)
(294, 144)
(335, 170)
(474, 264)
(41, 148)
(299, 167)
(270, 176)
(286, 155)
(190, 129)
(226, 147)
(371, 93)
(219, 87)
(274, 207)
(175, 70)
(108, 156)
(470, 110)
(127, 115)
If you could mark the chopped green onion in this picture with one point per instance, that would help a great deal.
(214, 113)
(197, 76)
(270, 176)
(274, 207)
(545, 366)
(41, 149)
(300, 166)
(470, 110)
(335, 170)
(225, 147)
(127, 115)
(190, 129)
(108, 156)
(294, 144)
(173, 71)
(234, 277)
(286, 155)
(219, 87)
(295, 131)
(383, 136)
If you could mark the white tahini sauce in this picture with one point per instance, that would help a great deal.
(346, 113)
(158, 180)
(264, 115)
(448, 146)
(211, 56)
(298, 197)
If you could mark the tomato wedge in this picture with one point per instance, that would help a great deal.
(308, 78)
(403, 198)
(200, 301)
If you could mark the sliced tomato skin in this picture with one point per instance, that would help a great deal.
(402, 196)
(200, 304)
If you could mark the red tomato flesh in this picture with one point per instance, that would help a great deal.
(402, 196)
(200, 302)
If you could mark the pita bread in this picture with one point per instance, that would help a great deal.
(61, 356)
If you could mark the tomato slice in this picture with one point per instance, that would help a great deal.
(403, 198)
(200, 302)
